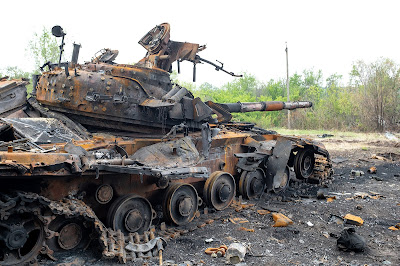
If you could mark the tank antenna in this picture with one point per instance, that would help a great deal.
(287, 83)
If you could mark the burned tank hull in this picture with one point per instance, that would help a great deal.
(116, 187)
(107, 151)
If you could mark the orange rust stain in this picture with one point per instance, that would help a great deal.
(28, 158)
(276, 106)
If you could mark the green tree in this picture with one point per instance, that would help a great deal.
(275, 89)
(14, 72)
(379, 92)
(370, 102)
(43, 48)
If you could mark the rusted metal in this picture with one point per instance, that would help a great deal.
(264, 106)
(103, 149)
(12, 95)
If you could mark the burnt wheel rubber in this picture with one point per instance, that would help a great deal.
(219, 190)
(21, 239)
(72, 233)
(130, 213)
(284, 182)
(304, 163)
(252, 184)
(181, 203)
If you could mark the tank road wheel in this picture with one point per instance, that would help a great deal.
(282, 184)
(130, 213)
(219, 190)
(252, 184)
(72, 233)
(21, 239)
(304, 163)
(181, 203)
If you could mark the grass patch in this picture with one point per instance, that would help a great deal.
(348, 135)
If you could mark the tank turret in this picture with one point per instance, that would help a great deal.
(141, 97)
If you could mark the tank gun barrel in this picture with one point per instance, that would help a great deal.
(240, 107)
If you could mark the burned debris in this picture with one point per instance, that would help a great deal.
(89, 154)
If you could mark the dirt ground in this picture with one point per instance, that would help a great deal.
(311, 239)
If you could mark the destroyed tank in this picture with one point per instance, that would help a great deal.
(109, 151)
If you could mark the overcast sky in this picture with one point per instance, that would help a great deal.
(245, 35)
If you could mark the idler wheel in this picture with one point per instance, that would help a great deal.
(181, 203)
(252, 184)
(130, 213)
(219, 190)
(21, 239)
(304, 163)
(283, 183)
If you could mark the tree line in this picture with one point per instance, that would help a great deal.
(370, 100)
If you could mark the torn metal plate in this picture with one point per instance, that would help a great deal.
(42, 130)
(277, 162)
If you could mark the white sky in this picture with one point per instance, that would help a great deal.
(245, 35)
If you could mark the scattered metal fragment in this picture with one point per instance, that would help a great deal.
(372, 170)
(330, 199)
(238, 220)
(336, 219)
(281, 220)
(353, 219)
(374, 156)
(235, 253)
(389, 156)
(366, 195)
(356, 173)
(263, 212)
(222, 249)
(395, 227)
(246, 229)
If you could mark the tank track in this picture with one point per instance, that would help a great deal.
(323, 170)
(113, 243)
